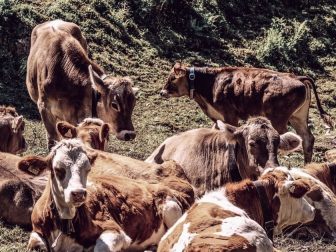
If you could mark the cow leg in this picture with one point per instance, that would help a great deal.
(299, 121)
(171, 212)
(49, 123)
(112, 240)
(36, 242)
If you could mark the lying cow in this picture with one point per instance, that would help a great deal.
(205, 154)
(231, 218)
(79, 210)
(19, 192)
(11, 131)
(233, 93)
(322, 180)
(67, 85)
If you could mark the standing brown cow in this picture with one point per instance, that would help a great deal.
(11, 131)
(233, 93)
(67, 85)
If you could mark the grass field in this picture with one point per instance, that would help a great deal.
(142, 40)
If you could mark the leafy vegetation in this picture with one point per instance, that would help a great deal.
(143, 39)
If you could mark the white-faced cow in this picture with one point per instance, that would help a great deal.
(211, 157)
(11, 131)
(233, 93)
(80, 210)
(67, 85)
(232, 218)
(19, 191)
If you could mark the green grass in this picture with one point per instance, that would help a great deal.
(143, 39)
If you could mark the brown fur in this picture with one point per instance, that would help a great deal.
(136, 208)
(233, 93)
(58, 80)
(203, 153)
(11, 131)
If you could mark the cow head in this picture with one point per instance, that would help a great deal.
(177, 82)
(259, 142)
(11, 131)
(116, 103)
(286, 197)
(93, 132)
(69, 166)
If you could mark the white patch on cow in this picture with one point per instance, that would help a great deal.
(327, 205)
(292, 210)
(112, 241)
(56, 23)
(170, 230)
(218, 197)
(184, 239)
(171, 212)
(247, 228)
(36, 242)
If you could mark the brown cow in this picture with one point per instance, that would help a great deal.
(19, 192)
(80, 210)
(231, 218)
(67, 85)
(233, 93)
(205, 155)
(11, 131)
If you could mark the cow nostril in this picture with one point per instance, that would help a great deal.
(127, 137)
(79, 195)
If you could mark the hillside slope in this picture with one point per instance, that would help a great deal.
(143, 39)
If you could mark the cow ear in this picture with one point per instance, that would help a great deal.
(298, 188)
(290, 142)
(66, 130)
(33, 165)
(179, 70)
(92, 156)
(104, 132)
(17, 122)
(96, 81)
(135, 90)
(231, 132)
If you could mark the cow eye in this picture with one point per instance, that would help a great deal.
(60, 173)
(115, 105)
(252, 144)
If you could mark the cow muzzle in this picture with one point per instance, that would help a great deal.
(78, 197)
(164, 93)
(126, 135)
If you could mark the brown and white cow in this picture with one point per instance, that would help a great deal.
(19, 192)
(209, 161)
(93, 132)
(233, 93)
(67, 85)
(231, 218)
(79, 209)
(11, 131)
(322, 180)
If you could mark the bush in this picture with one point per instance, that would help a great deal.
(286, 45)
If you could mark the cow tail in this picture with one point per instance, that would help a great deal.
(324, 115)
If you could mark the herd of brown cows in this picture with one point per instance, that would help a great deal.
(218, 189)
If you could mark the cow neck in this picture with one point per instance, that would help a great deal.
(95, 96)
(200, 84)
(266, 208)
